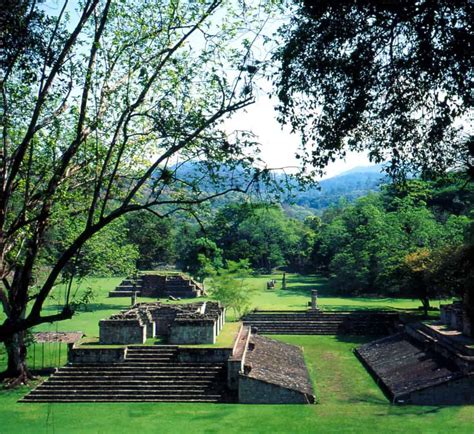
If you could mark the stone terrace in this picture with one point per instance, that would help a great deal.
(133, 374)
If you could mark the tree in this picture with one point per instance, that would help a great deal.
(262, 233)
(153, 237)
(228, 285)
(418, 267)
(366, 246)
(201, 256)
(390, 77)
(445, 271)
(96, 117)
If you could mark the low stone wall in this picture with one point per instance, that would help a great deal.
(461, 356)
(193, 332)
(122, 332)
(235, 364)
(203, 355)
(252, 391)
(96, 355)
(452, 315)
(456, 392)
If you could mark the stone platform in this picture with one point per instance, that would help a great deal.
(424, 365)
(316, 322)
(158, 286)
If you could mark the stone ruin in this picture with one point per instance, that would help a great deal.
(273, 372)
(158, 286)
(454, 316)
(192, 323)
(256, 369)
(426, 363)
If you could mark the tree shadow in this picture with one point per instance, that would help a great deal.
(92, 307)
(356, 339)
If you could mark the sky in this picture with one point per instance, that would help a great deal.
(278, 145)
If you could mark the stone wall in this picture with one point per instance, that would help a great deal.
(456, 392)
(252, 391)
(96, 355)
(193, 332)
(122, 332)
(234, 368)
(452, 315)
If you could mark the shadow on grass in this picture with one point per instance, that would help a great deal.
(413, 410)
(92, 307)
(357, 339)
(369, 399)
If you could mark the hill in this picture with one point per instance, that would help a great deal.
(348, 185)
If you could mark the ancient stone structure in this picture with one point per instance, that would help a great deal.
(193, 323)
(423, 365)
(316, 322)
(274, 373)
(134, 374)
(314, 300)
(255, 370)
(158, 286)
(454, 316)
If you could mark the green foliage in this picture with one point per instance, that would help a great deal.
(391, 78)
(201, 256)
(364, 246)
(264, 234)
(229, 286)
(153, 237)
(108, 253)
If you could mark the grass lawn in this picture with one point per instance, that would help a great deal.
(349, 399)
(349, 402)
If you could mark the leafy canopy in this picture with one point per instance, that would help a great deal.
(390, 77)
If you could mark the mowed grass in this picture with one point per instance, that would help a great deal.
(349, 402)
(349, 399)
(298, 293)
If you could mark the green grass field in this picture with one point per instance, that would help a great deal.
(349, 399)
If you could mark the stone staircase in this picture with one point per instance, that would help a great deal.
(148, 373)
(127, 287)
(157, 285)
(322, 323)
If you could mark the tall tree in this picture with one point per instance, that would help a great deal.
(96, 118)
(390, 77)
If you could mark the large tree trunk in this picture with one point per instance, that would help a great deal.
(17, 370)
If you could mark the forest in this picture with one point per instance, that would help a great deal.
(405, 240)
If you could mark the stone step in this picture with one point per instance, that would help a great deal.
(318, 320)
(114, 381)
(124, 397)
(136, 377)
(134, 365)
(123, 293)
(156, 371)
(121, 399)
(153, 348)
(76, 390)
(142, 356)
